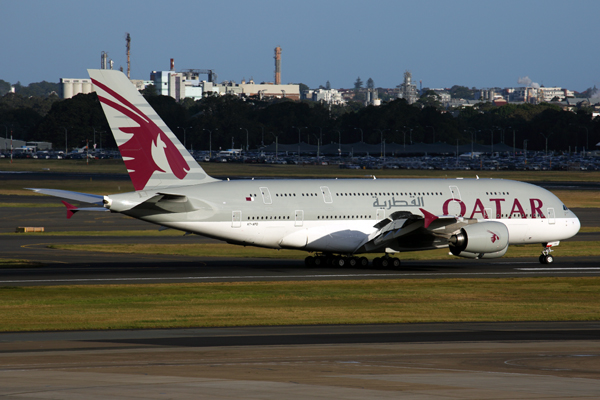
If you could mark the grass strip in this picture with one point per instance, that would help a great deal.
(572, 249)
(32, 205)
(10, 263)
(298, 303)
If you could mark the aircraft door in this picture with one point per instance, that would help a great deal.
(266, 195)
(299, 218)
(551, 219)
(326, 194)
(236, 219)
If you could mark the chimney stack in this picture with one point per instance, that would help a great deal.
(278, 65)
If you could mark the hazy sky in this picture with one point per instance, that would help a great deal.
(443, 43)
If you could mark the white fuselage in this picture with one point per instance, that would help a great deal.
(338, 216)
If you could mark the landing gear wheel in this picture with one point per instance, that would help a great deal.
(363, 262)
(385, 262)
(339, 262)
(377, 262)
(546, 257)
(319, 261)
(309, 261)
(395, 263)
(352, 261)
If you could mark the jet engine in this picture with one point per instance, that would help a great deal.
(481, 240)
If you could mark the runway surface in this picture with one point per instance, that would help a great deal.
(529, 360)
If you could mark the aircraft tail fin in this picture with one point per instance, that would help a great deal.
(153, 155)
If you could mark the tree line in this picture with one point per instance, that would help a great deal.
(228, 119)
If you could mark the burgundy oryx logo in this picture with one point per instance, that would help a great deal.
(149, 149)
(494, 237)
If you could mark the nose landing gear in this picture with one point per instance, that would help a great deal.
(546, 257)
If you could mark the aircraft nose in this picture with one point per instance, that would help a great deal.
(573, 223)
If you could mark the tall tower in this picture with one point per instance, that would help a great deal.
(104, 60)
(278, 65)
(128, 41)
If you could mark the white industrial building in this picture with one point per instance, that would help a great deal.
(72, 87)
(327, 96)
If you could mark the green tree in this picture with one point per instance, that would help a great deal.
(370, 84)
(4, 87)
(40, 89)
(430, 99)
(149, 91)
(358, 84)
(461, 92)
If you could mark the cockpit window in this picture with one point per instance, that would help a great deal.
(565, 208)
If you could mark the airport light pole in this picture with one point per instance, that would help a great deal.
(382, 142)
(318, 147)
(247, 144)
(209, 141)
(184, 134)
(514, 143)
(276, 144)
(473, 137)
(361, 135)
(546, 137)
(299, 129)
(339, 144)
(66, 147)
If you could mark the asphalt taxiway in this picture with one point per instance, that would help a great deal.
(530, 360)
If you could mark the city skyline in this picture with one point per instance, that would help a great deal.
(467, 43)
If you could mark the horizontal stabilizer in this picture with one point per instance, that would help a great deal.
(71, 209)
(76, 196)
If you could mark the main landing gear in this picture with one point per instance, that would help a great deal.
(330, 260)
(546, 257)
(386, 262)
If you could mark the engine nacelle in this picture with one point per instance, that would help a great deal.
(496, 254)
(481, 240)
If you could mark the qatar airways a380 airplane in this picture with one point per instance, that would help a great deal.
(336, 219)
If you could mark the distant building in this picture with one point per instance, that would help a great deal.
(72, 87)
(261, 90)
(408, 90)
(327, 96)
(443, 95)
(5, 144)
(372, 98)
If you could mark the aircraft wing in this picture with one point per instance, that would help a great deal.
(406, 226)
(76, 196)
